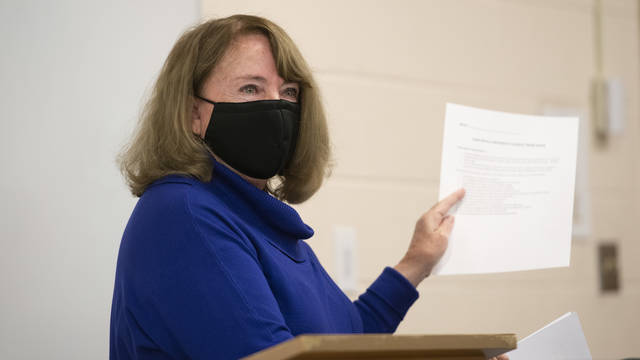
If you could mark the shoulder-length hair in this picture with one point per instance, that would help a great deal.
(164, 143)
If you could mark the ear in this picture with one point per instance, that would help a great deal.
(196, 118)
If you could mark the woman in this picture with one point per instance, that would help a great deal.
(212, 263)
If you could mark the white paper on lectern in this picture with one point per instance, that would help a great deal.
(519, 175)
(562, 339)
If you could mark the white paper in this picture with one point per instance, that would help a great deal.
(562, 339)
(519, 176)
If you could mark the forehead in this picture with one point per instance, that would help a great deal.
(248, 54)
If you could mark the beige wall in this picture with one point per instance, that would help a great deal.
(386, 69)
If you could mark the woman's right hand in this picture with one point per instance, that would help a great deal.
(429, 241)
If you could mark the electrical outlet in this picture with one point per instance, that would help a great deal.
(608, 264)
(345, 239)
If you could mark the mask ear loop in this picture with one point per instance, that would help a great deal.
(205, 99)
(198, 137)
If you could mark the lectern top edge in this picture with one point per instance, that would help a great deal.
(466, 346)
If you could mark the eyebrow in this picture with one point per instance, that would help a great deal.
(261, 79)
(252, 77)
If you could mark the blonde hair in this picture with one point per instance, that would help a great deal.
(164, 143)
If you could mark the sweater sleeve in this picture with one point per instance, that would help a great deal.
(207, 297)
(386, 302)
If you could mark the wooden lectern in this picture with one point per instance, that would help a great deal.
(392, 347)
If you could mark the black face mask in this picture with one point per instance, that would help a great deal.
(257, 138)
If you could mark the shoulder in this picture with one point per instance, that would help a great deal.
(171, 187)
(190, 208)
(176, 218)
(174, 202)
(178, 192)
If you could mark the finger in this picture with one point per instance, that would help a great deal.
(447, 226)
(445, 204)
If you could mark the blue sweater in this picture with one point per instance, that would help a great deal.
(219, 270)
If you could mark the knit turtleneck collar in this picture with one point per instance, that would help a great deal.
(272, 211)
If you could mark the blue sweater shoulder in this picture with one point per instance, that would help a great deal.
(182, 292)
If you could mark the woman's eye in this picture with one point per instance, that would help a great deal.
(291, 92)
(249, 89)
